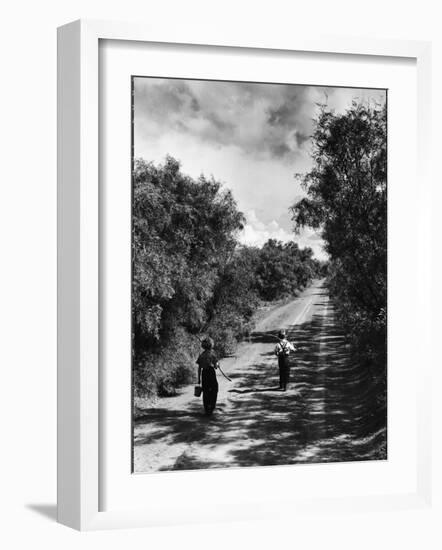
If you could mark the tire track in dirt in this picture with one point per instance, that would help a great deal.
(323, 416)
(185, 439)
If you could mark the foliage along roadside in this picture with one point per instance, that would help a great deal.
(191, 276)
(347, 202)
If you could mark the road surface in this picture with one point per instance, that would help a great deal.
(325, 415)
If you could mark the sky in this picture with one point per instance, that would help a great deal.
(252, 137)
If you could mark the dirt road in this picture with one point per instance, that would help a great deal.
(324, 415)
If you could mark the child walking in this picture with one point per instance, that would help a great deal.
(207, 365)
(282, 350)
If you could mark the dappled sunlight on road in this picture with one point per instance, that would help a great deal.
(328, 414)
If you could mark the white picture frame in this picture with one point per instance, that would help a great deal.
(79, 269)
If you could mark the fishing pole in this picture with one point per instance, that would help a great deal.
(225, 375)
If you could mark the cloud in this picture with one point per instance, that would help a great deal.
(262, 120)
(256, 233)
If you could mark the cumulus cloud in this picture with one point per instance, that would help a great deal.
(261, 120)
(256, 233)
(270, 120)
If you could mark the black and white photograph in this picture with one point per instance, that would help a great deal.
(221, 266)
(259, 274)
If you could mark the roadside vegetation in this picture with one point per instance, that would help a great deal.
(192, 277)
(347, 202)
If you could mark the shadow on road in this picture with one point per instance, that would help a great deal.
(255, 390)
(330, 413)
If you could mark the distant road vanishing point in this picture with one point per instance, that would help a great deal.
(325, 415)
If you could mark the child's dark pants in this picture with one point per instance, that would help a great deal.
(284, 371)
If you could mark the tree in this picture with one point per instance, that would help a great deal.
(347, 201)
(184, 231)
(235, 299)
(283, 269)
(191, 277)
